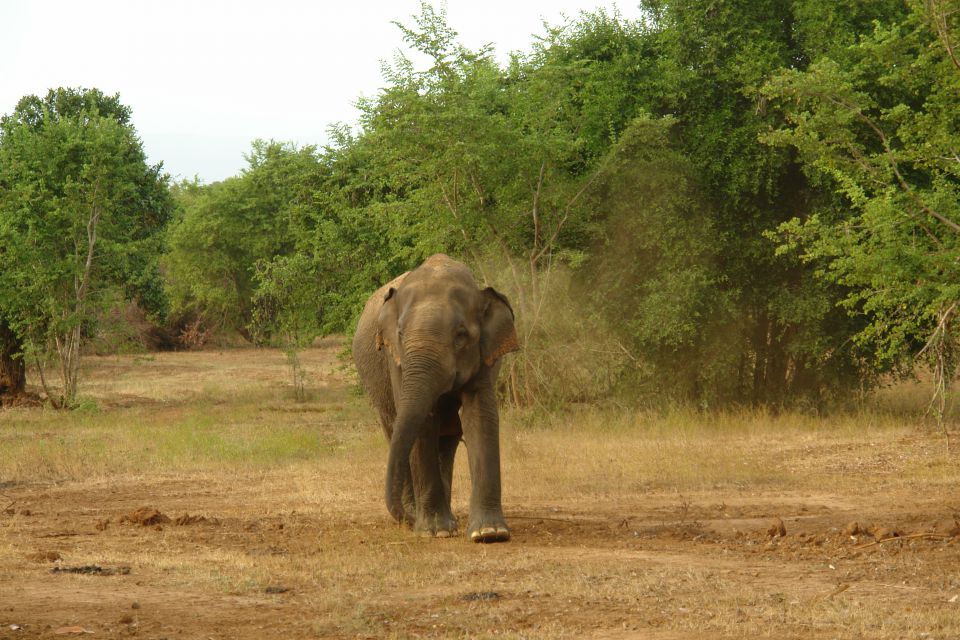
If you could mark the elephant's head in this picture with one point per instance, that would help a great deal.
(442, 333)
(439, 332)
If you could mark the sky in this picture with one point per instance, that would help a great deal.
(204, 78)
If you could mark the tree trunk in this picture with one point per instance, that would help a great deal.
(13, 373)
(761, 335)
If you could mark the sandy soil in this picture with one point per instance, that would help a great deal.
(307, 550)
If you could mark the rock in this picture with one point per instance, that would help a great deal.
(954, 530)
(276, 588)
(480, 596)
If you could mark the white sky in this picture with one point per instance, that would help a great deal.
(206, 77)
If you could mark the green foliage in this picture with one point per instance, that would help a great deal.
(221, 231)
(493, 165)
(287, 308)
(554, 160)
(80, 217)
(783, 342)
(722, 202)
(654, 270)
(878, 123)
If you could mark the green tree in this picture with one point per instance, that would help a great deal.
(487, 163)
(878, 123)
(287, 309)
(654, 269)
(786, 342)
(81, 213)
(221, 231)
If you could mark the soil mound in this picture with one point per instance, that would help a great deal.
(146, 517)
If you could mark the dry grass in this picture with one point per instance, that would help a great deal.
(625, 525)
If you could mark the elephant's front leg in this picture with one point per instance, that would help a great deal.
(447, 418)
(433, 515)
(481, 432)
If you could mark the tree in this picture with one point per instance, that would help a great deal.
(221, 231)
(491, 164)
(654, 271)
(710, 59)
(878, 123)
(13, 372)
(287, 308)
(81, 213)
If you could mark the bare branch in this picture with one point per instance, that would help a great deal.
(536, 210)
(939, 17)
(43, 382)
(452, 207)
(566, 214)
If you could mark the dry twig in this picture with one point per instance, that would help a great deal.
(914, 536)
(837, 591)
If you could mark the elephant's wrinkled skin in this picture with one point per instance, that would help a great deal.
(427, 349)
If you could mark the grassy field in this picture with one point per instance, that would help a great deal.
(267, 518)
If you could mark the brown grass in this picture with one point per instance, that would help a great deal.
(625, 524)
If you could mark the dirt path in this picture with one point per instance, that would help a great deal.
(304, 549)
(250, 564)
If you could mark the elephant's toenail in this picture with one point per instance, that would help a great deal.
(443, 534)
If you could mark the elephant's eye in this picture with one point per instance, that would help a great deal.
(462, 337)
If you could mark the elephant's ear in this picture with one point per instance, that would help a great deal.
(497, 335)
(386, 320)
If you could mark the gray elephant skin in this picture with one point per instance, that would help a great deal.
(427, 349)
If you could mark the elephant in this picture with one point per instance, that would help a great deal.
(428, 349)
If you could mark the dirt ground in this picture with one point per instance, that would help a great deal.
(842, 536)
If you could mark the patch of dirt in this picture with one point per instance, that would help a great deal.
(306, 549)
(599, 569)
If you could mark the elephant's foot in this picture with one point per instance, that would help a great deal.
(403, 517)
(492, 529)
(437, 525)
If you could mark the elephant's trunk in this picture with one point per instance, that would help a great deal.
(424, 380)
